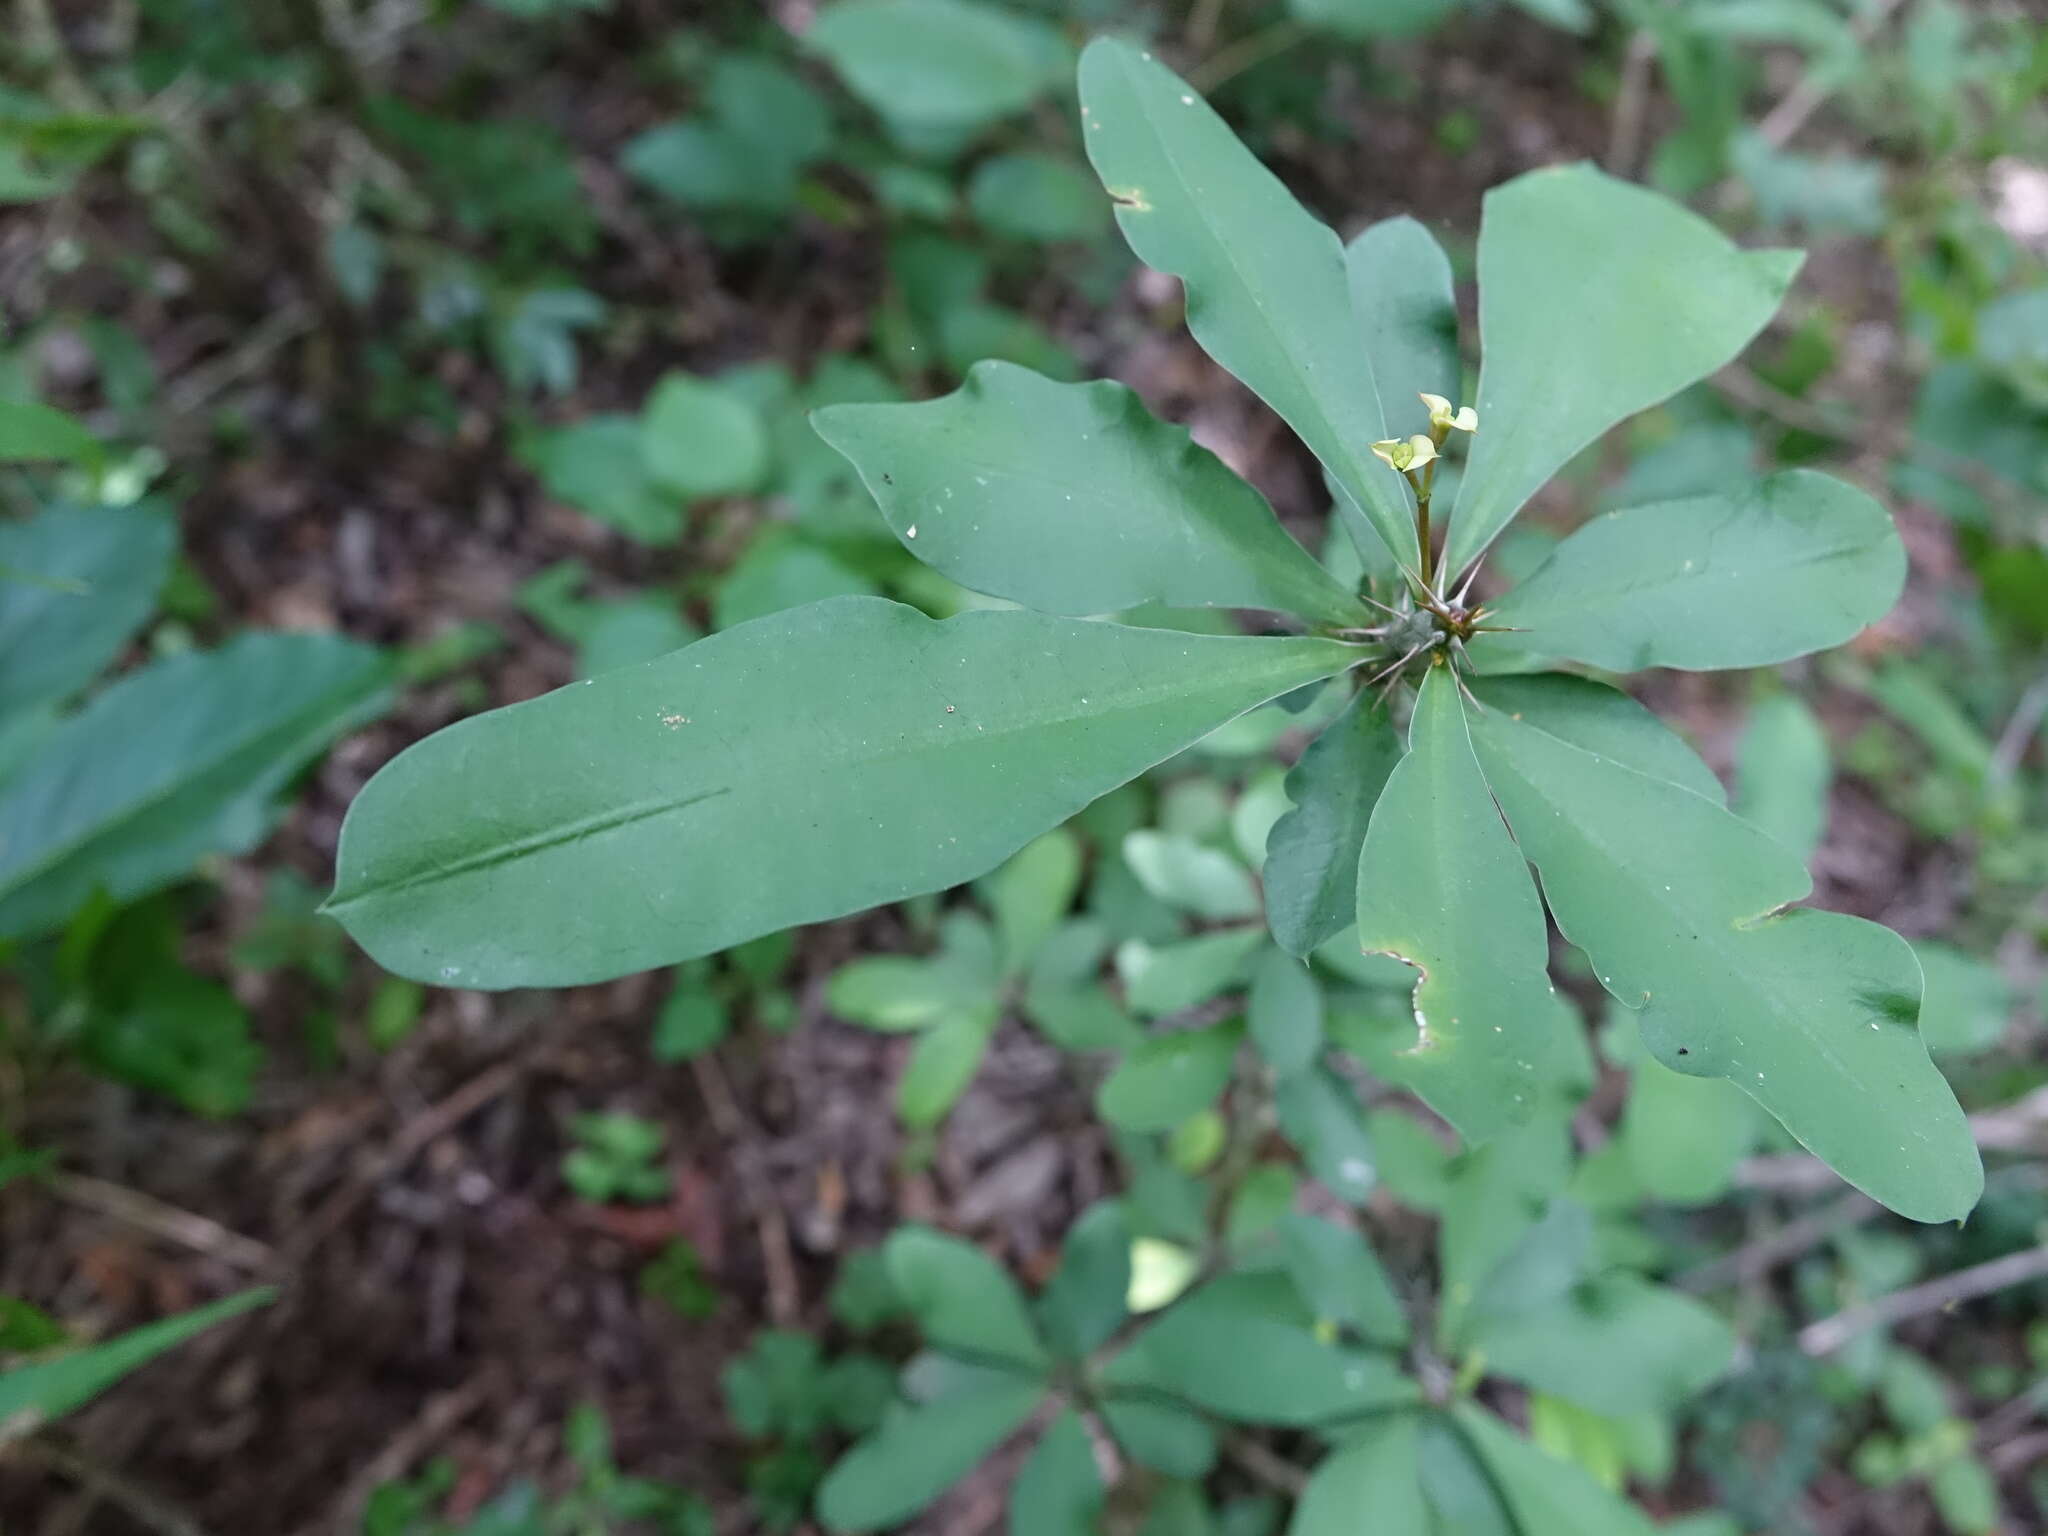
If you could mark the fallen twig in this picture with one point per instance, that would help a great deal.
(785, 1296)
(147, 1508)
(188, 1229)
(1754, 1260)
(1831, 1333)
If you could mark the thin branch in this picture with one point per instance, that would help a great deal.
(2019, 730)
(1831, 1333)
(1746, 388)
(1254, 48)
(785, 1295)
(1809, 94)
(1631, 105)
(148, 1214)
(147, 1508)
(1752, 1261)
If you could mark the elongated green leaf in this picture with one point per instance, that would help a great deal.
(1074, 499)
(1546, 1496)
(31, 432)
(178, 760)
(943, 1064)
(1601, 720)
(922, 1450)
(1597, 299)
(1615, 1345)
(1169, 1077)
(1060, 1490)
(1265, 280)
(1320, 1114)
(1369, 1483)
(75, 582)
(1161, 1435)
(1311, 871)
(1168, 977)
(1340, 1278)
(1683, 1136)
(1794, 563)
(1442, 887)
(35, 1394)
(1783, 769)
(1401, 289)
(1810, 1013)
(939, 66)
(1192, 876)
(698, 438)
(791, 769)
(1085, 1301)
(962, 1299)
(1229, 1349)
(1285, 1013)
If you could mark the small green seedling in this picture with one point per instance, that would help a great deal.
(616, 1158)
(854, 751)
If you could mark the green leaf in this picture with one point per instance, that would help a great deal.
(1340, 1278)
(596, 466)
(1311, 870)
(1442, 887)
(922, 1450)
(1597, 299)
(1616, 1345)
(692, 1021)
(1547, 1497)
(1794, 563)
(1074, 499)
(1372, 18)
(1374, 1470)
(1084, 1302)
(1161, 1435)
(1030, 893)
(789, 770)
(1602, 720)
(1169, 1077)
(1683, 1136)
(75, 583)
(700, 440)
(1165, 978)
(1402, 291)
(1059, 1492)
(1036, 197)
(1460, 1491)
(962, 1299)
(898, 992)
(1811, 1013)
(1967, 1004)
(1320, 1114)
(780, 570)
(1498, 1193)
(178, 760)
(1782, 772)
(1231, 1349)
(33, 1395)
(1192, 876)
(1265, 280)
(944, 1063)
(31, 432)
(939, 67)
(1285, 1013)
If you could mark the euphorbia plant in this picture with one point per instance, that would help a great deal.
(855, 751)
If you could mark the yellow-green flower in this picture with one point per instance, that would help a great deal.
(1406, 454)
